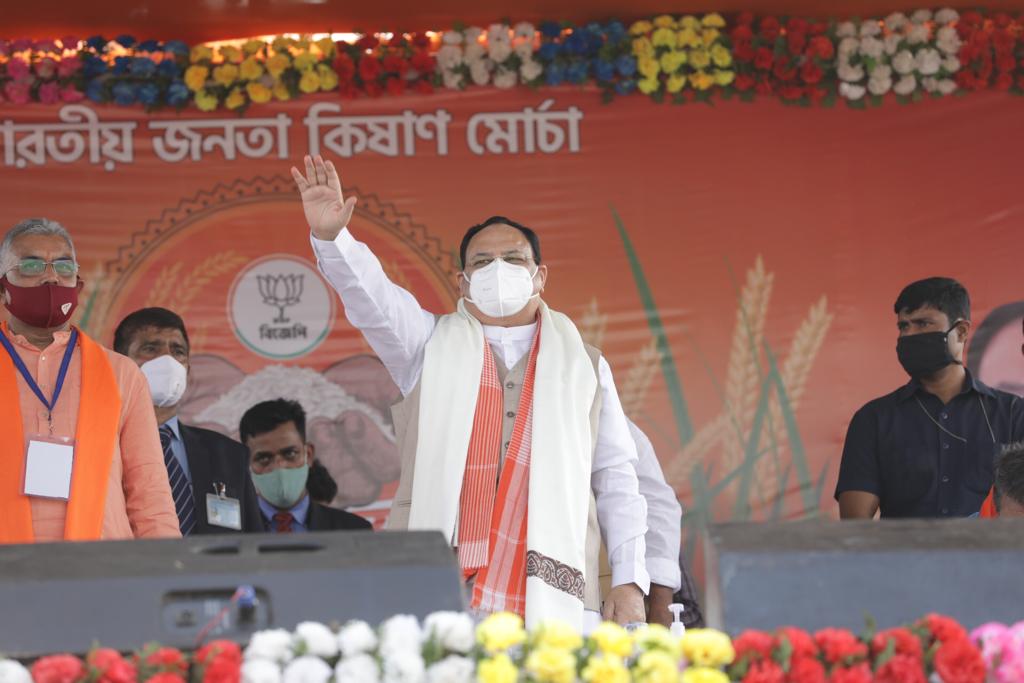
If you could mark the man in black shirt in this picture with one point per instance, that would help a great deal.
(927, 449)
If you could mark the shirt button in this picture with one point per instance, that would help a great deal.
(510, 385)
(945, 416)
(945, 511)
(945, 445)
(510, 413)
(945, 480)
(506, 445)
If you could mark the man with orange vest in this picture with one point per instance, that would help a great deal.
(79, 455)
(1006, 499)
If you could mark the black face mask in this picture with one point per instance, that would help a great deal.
(925, 354)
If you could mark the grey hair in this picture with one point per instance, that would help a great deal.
(31, 226)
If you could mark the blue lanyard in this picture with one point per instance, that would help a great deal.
(20, 364)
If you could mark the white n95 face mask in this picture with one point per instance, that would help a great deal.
(167, 380)
(500, 289)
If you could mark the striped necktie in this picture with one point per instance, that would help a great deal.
(181, 489)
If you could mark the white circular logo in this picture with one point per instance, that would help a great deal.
(280, 307)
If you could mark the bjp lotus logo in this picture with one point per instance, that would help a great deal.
(280, 291)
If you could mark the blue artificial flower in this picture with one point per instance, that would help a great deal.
(169, 68)
(594, 41)
(177, 47)
(125, 40)
(148, 46)
(95, 91)
(551, 29)
(93, 66)
(149, 94)
(577, 72)
(96, 42)
(615, 31)
(549, 51)
(124, 94)
(626, 65)
(121, 65)
(604, 70)
(144, 67)
(625, 87)
(576, 43)
(177, 94)
(554, 74)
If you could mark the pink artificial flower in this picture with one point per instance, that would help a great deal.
(49, 93)
(45, 46)
(5, 48)
(1010, 670)
(46, 68)
(71, 94)
(990, 638)
(18, 69)
(68, 66)
(18, 93)
(21, 44)
(70, 42)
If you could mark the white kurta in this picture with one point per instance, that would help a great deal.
(397, 329)
(664, 515)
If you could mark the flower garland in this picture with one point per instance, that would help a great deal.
(988, 56)
(675, 54)
(501, 56)
(372, 67)
(577, 54)
(1002, 648)
(46, 71)
(126, 72)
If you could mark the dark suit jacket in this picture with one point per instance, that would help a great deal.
(213, 457)
(323, 518)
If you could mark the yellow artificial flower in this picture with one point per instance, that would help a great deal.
(605, 669)
(721, 56)
(500, 631)
(642, 47)
(225, 74)
(656, 666)
(657, 637)
(251, 69)
(663, 37)
(612, 639)
(253, 46)
(195, 77)
(706, 646)
(235, 99)
(551, 665)
(497, 669)
(302, 43)
(310, 82)
(258, 92)
(557, 634)
(281, 92)
(689, 21)
(702, 80)
(206, 100)
(709, 36)
(304, 61)
(664, 21)
(277, 64)
(201, 53)
(688, 38)
(232, 54)
(326, 46)
(640, 27)
(671, 61)
(282, 44)
(328, 77)
(700, 58)
(648, 85)
(714, 20)
(649, 67)
(675, 83)
(723, 77)
(704, 675)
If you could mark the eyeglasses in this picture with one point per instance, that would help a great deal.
(31, 267)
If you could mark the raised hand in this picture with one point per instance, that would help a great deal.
(327, 210)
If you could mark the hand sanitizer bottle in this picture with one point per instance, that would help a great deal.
(677, 628)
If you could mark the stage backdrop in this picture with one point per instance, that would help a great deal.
(737, 263)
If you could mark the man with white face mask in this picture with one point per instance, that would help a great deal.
(207, 471)
(512, 437)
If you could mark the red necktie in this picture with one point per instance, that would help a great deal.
(283, 522)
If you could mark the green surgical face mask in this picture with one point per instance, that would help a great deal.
(283, 487)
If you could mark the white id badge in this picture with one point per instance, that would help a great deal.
(224, 511)
(48, 464)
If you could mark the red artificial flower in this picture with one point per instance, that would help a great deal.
(1002, 19)
(805, 670)
(971, 19)
(424, 86)
(959, 661)
(821, 47)
(901, 669)
(393, 64)
(219, 650)
(764, 87)
(801, 642)
(764, 671)
(770, 28)
(1006, 63)
(839, 645)
(345, 67)
(743, 51)
(394, 86)
(745, 18)
(348, 90)
(222, 670)
(1002, 41)
(906, 643)
(791, 92)
(815, 95)
(421, 40)
(783, 71)
(167, 659)
(944, 628)
(367, 42)
(397, 40)
(755, 645)
(811, 73)
(372, 88)
(745, 82)
(369, 68)
(796, 42)
(985, 68)
(1020, 81)
(763, 59)
(165, 677)
(423, 62)
(861, 673)
(111, 666)
(58, 669)
(966, 80)
(817, 28)
(797, 25)
(742, 32)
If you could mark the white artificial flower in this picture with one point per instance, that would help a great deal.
(848, 46)
(358, 669)
(895, 21)
(881, 71)
(930, 84)
(903, 62)
(505, 78)
(947, 40)
(872, 47)
(480, 71)
(260, 671)
(273, 644)
(851, 73)
(921, 16)
(451, 669)
(13, 672)
(319, 641)
(499, 52)
(400, 634)
(451, 38)
(356, 638)
(473, 34)
(947, 15)
(524, 30)
(404, 667)
(453, 630)
(498, 33)
(870, 28)
(892, 43)
(905, 85)
(449, 57)
(879, 86)
(530, 70)
(453, 80)
(917, 35)
(928, 61)
(851, 91)
(947, 86)
(951, 64)
(846, 29)
(524, 51)
(307, 669)
(474, 52)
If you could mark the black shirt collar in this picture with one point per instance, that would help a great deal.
(971, 384)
